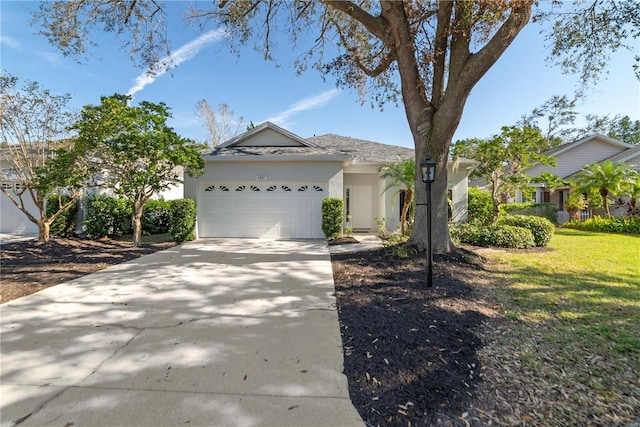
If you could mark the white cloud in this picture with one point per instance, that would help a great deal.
(182, 54)
(284, 118)
(51, 57)
(10, 42)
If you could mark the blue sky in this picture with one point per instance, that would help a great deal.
(305, 105)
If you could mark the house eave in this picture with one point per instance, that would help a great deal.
(276, 158)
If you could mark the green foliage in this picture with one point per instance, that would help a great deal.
(382, 226)
(608, 225)
(504, 236)
(480, 207)
(156, 216)
(106, 216)
(541, 228)
(332, 212)
(183, 219)
(607, 179)
(503, 159)
(135, 150)
(545, 210)
(64, 224)
(402, 175)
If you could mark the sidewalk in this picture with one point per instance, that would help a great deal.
(209, 333)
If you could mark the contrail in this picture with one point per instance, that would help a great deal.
(284, 118)
(182, 54)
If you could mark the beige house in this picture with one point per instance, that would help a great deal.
(571, 158)
(270, 183)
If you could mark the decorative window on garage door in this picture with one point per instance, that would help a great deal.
(265, 188)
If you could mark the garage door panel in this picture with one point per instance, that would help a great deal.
(276, 213)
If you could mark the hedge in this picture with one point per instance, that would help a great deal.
(480, 206)
(332, 214)
(156, 216)
(107, 216)
(504, 236)
(607, 225)
(183, 219)
(545, 210)
(541, 228)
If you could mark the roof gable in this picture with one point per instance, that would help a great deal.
(267, 135)
(595, 138)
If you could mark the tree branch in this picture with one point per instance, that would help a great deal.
(373, 24)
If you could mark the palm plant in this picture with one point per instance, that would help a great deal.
(607, 178)
(401, 176)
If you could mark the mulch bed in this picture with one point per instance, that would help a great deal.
(410, 352)
(31, 266)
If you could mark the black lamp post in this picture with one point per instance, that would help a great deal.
(428, 169)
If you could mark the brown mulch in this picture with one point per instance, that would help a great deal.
(30, 266)
(410, 352)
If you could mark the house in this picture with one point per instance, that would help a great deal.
(570, 159)
(270, 183)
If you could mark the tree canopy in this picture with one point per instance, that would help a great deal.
(134, 152)
(503, 159)
(428, 55)
(36, 151)
(607, 179)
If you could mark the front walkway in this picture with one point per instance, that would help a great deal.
(209, 333)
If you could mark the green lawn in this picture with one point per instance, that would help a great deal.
(574, 311)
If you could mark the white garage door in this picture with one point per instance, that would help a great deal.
(263, 210)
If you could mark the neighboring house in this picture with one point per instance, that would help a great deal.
(570, 159)
(14, 221)
(270, 183)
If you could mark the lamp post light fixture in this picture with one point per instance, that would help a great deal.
(428, 169)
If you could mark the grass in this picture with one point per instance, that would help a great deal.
(573, 312)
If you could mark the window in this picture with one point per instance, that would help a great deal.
(224, 188)
(347, 202)
(286, 188)
(210, 188)
(303, 188)
(254, 188)
(272, 188)
(241, 188)
(317, 188)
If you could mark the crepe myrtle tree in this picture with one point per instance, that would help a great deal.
(427, 55)
(134, 152)
(36, 152)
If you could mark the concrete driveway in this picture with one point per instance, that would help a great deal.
(209, 333)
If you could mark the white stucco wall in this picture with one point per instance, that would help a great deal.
(13, 220)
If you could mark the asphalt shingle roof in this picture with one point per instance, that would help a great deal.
(361, 150)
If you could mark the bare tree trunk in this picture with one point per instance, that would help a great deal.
(43, 231)
(136, 222)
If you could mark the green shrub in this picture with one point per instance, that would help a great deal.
(504, 236)
(508, 236)
(64, 224)
(156, 217)
(183, 219)
(545, 210)
(607, 225)
(480, 207)
(107, 216)
(541, 228)
(332, 211)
